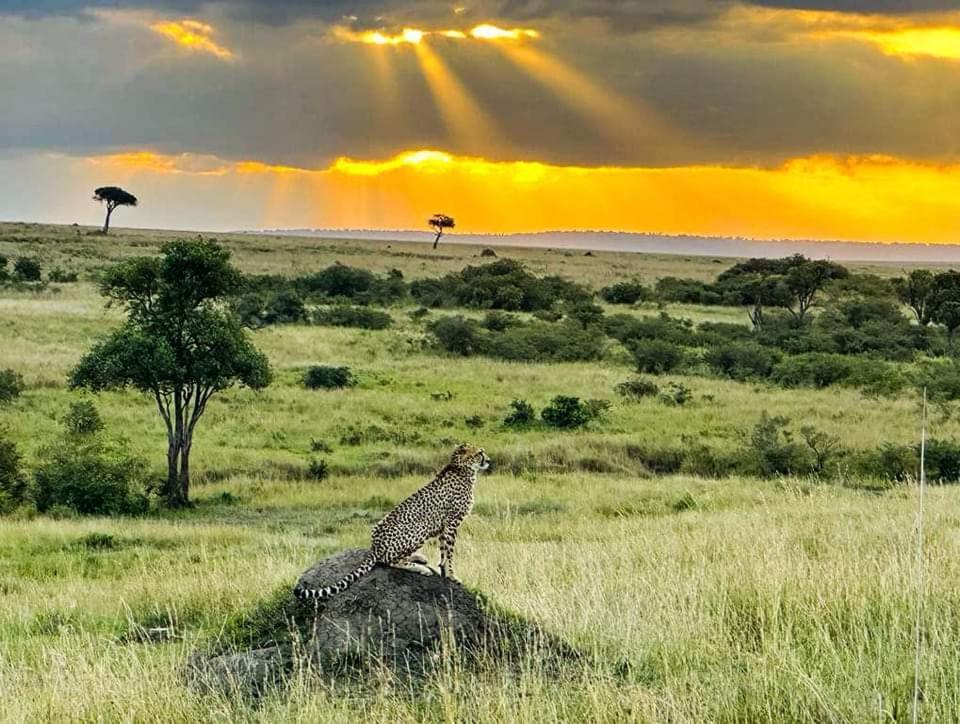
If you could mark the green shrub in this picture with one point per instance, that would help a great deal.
(740, 360)
(419, 313)
(59, 276)
(585, 313)
(11, 385)
(626, 328)
(504, 284)
(90, 477)
(358, 317)
(544, 342)
(655, 356)
(548, 315)
(812, 370)
(715, 334)
(636, 389)
(4, 274)
(457, 335)
(941, 379)
(566, 412)
(14, 489)
(890, 462)
(772, 451)
(522, 414)
(261, 310)
(26, 270)
(323, 377)
(628, 292)
(82, 418)
(497, 321)
(676, 393)
(318, 470)
(942, 461)
(474, 422)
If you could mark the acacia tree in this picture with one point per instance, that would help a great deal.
(916, 290)
(805, 279)
(439, 222)
(180, 343)
(113, 196)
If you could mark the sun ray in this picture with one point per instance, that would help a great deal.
(469, 126)
(616, 119)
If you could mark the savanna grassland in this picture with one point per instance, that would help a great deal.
(737, 599)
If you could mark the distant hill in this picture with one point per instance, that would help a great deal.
(663, 244)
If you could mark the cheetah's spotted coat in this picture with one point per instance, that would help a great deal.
(434, 511)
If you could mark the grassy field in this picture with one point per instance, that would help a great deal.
(733, 600)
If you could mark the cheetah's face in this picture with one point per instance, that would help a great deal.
(470, 456)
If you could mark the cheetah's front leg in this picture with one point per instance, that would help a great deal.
(448, 538)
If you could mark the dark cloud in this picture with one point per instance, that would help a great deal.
(292, 98)
(621, 14)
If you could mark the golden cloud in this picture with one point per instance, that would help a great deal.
(192, 35)
(413, 36)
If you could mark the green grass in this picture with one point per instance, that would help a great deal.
(696, 600)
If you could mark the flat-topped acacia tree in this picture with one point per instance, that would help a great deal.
(440, 222)
(113, 196)
(180, 343)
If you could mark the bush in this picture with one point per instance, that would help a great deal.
(740, 360)
(522, 414)
(715, 334)
(505, 284)
(636, 389)
(261, 310)
(358, 317)
(676, 393)
(628, 292)
(942, 461)
(548, 315)
(11, 386)
(772, 450)
(813, 369)
(457, 335)
(318, 470)
(419, 313)
(498, 321)
(59, 276)
(82, 418)
(626, 328)
(544, 342)
(323, 377)
(890, 462)
(567, 412)
(586, 314)
(26, 270)
(656, 357)
(91, 478)
(14, 489)
(4, 274)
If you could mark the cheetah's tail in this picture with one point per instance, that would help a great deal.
(321, 594)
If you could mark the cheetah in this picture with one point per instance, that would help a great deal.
(434, 511)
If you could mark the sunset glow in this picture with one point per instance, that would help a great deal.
(818, 197)
(413, 36)
(193, 36)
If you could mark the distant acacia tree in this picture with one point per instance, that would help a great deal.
(113, 196)
(439, 222)
(916, 290)
(180, 343)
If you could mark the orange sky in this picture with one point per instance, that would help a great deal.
(821, 197)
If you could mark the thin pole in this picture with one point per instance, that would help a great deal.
(919, 605)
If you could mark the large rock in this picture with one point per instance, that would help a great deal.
(391, 616)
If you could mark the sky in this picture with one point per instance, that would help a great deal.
(812, 119)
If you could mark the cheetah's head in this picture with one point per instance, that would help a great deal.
(470, 456)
